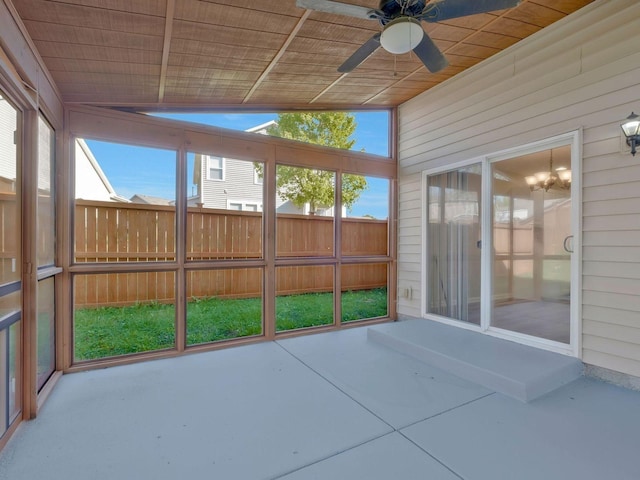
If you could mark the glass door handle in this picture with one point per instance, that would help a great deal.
(568, 244)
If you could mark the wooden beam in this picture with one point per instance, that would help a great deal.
(168, 31)
(329, 87)
(212, 107)
(278, 55)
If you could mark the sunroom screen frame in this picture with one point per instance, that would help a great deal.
(114, 126)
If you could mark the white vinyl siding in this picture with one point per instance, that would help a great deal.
(89, 183)
(238, 184)
(581, 73)
(8, 125)
(409, 209)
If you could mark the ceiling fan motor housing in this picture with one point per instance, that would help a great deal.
(395, 8)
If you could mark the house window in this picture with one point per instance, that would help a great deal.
(257, 177)
(244, 206)
(215, 168)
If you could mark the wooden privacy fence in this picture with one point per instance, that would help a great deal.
(117, 232)
(10, 236)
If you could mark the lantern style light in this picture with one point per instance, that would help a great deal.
(631, 129)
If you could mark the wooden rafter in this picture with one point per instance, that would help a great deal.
(278, 55)
(168, 30)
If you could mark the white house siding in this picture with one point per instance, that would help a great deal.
(409, 242)
(7, 146)
(90, 185)
(582, 72)
(238, 185)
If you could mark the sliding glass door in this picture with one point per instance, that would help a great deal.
(453, 243)
(532, 238)
(499, 242)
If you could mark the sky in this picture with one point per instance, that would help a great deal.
(128, 167)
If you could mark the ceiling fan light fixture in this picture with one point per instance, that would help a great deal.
(401, 35)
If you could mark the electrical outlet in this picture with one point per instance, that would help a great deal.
(406, 293)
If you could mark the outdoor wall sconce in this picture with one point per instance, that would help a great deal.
(631, 129)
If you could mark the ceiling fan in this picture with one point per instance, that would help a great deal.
(401, 29)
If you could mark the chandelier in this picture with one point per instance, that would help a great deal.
(560, 177)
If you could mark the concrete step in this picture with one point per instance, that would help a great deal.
(516, 370)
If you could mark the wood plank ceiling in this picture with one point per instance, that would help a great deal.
(253, 54)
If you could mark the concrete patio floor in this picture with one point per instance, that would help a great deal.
(327, 406)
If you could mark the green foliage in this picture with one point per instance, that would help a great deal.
(214, 319)
(111, 331)
(312, 186)
(302, 311)
(304, 185)
(361, 304)
(331, 129)
(352, 187)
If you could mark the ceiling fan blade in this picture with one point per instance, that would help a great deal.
(337, 8)
(430, 54)
(361, 54)
(448, 9)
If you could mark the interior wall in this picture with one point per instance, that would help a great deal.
(580, 73)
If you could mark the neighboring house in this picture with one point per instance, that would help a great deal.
(227, 183)
(91, 181)
(150, 200)
(232, 184)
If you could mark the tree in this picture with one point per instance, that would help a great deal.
(316, 187)
(331, 129)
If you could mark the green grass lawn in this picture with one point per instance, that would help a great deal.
(111, 331)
